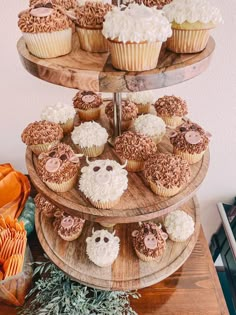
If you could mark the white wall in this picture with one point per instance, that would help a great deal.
(211, 98)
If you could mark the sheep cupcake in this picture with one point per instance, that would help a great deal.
(143, 100)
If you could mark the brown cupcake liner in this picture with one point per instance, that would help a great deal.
(104, 204)
(163, 191)
(40, 148)
(67, 126)
(190, 158)
(92, 40)
(64, 186)
(93, 151)
(107, 225)
(89, 114)
(143, 108)
(146, 258)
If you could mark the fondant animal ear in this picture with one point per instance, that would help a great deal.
(208, 134)
(135, 233)
(114, 232)
(88, 239)
(125, 164)
(116, 238)
(164, 236)
(93, 231)
(87, 160)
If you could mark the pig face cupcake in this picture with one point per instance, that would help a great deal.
(149, 241)
(190, 141)
(143, 100)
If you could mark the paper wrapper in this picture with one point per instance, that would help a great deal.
(134, 56)
(133, 166)
(157, 139)
(64, 186)
(175, 239)
(172, 122)
(92, 40)
(67, 126)
(70, 238)
(89, 114)
(39, 148)
(190, 158)
(143, 108)
(146, 258)
(163, 191)
(93, 151)
(104, 204)
(188, 41)
(49, 45)
(107, 225)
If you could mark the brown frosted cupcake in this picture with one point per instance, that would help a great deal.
(41, 136)
(129, 112)
(135, 148)
(171, 109)
(66, 4)
(58, 168)
(149, 241)
(167, 174)
(89, 24)
(47, 30)
(88, 105)
(190, 141)
(159, 4)
(45, 206)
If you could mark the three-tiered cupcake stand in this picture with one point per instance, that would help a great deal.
(94, 72)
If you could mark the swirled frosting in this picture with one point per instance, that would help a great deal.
(145, 97)
(91, 15)
(167, 170)
(86, 100)
(58, 113)
(88, 134)
(45, 206)
(67, 4)
(179, 225)
(149, 125)
(192, 11)
(56, 21)
(134, 146)
(181, 141)
(129, 110)
(171, 106)
(137, 23)
(40, 132)
(159, 4)
(103, 180)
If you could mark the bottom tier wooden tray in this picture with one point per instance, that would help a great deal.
(127, 272)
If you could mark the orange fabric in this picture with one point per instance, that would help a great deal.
(14, 191)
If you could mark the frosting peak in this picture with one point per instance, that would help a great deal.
(58, 113)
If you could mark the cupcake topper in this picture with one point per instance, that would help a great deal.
(150, 241)
(67, 222)
(88, 98)
(193, 137)
(41, 12)
(52, 165)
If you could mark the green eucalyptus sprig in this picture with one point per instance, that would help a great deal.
(55, 293)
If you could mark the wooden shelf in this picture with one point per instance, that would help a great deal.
(127, 272)
(93, 71)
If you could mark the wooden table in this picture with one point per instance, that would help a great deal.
(192, 290)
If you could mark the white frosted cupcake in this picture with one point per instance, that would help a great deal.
(179, 226)
(103, 182)
(135, 36)
(90, 138)
(191, 21)
(61, 114)
(151, 126)
(102, 247)
(143, 100)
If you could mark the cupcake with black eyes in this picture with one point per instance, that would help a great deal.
(190, 141)
(58, 168)
(103, 182)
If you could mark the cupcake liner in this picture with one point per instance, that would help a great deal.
(143, 108)
(190, 158)
(133, 166)
(134, 56)
(172, 122)
(93, 151)
(104, 204)
(49, 45)
(188, 41)
(163, 191)
(68, 126)
(72, 237)
(146, 258)
(125, 124)
(92, 40)
(107, 225)
(39, 148)
(64, 186)
(89, 114)
(175, 239)
(157, 139)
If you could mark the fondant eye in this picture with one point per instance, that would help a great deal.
(192, 127)
(97, 239)
(106, 240)
(52, 154)
(96, 168)
(146, 230)
(49, 5)
(182, 129)
(109, 168)
(153, 231)
(39, 5)
(63, 157)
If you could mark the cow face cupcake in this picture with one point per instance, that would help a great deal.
(102, 247)
(143, 100)
(135, 148)
(171, 109)
(167, 174)
(190, 141)
(58, 168)
(66, 4)
(45, 206)
(87, 104)
(129, 112)
(149, 241)
(41, 136)
(103, 182)
(47, 30)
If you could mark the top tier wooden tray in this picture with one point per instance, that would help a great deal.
(94, 72)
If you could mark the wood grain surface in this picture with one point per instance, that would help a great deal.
(93, 71)
(127, 272)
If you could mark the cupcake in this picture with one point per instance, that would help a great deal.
(103, 182)
(135, 148)
(102, 247)
(149, 241)
(41, 136)
(191, 22)
(167, 174)
(45, 206)
(129, 112)
(151, 126)
(66, 4)
(87, 104)
(143, 101)
(171, 109)
(159, 4)
(90, 138)
(89, 24)
(47, 31)
(190, 141)
(179, 226)
(68, 227)
(132, 47)
(58, 168)
(60, 114)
